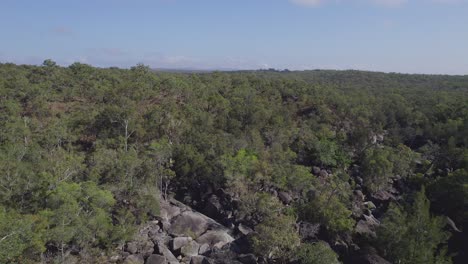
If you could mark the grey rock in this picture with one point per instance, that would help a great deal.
(114, 259)
(245, 230)
(189, 223)
(215, 238)
(169, 211)
(131, 247)
(191, 249)
(199, 260)
(383, 195)
(367, 226)
(146, 248)
(163, 250)
(134, 259)
(452, 224)
(285, 197)
(203, 249)
(370, 205)
(156, 259)
(179, 242)
(359, 195)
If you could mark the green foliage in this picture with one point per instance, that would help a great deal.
(412, 235)
(449, 196)
(329, 206)
(20, 235)
(377, 167)
(276, 237)
(80, 146)
(316, 253)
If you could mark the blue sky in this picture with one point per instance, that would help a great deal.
(415, 36)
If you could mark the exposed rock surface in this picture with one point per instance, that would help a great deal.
(180, 235)
(134, 259)
(191, 249)
(156, 259)
(215, 238)
(285, 197)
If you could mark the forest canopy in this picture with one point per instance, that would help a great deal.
(86, 155)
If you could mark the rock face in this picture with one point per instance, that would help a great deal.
(164, 251)
(181, 235)
(188, 223)
(367, 226)
(191, 249)
(134, 259)
(215, 238)
(156, 259)
(179, 242)
(245, 230)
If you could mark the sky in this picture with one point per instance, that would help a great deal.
(410, 36)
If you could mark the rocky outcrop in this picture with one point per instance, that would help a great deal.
(215, 238)
(369, 255)
(156, 259)
(180, 235)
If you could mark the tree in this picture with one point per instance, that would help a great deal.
(20, 235)
(377, 167)
(413, 235)
(276, 237)
(316, 253)
(329, 206)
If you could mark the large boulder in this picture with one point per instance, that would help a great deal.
(244, 230)
(203, 249)
(199, 260)
(134, 259)
(191, 249)
(131, 247)
(383, 195)
(144, 247)
(215, 238)
(156, 259)
(169, 211)
(179, 242)
(164, 251)
(189, 223)
(367, 226)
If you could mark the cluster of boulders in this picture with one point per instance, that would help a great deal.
(182, 235)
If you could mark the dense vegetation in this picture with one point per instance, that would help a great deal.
(86, 153)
